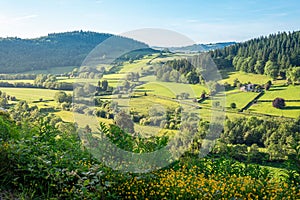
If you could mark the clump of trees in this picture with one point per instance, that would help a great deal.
(86, 72)
(63, 99)
(50, 82)
(4, 98)
(280, 137)
(103, 88)
(169, 119)
(179, 71)
(41, 81)
(124, 121)
(134, 77)
(293, 75)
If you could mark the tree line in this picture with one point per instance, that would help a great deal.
(17, 76)
(41, 81)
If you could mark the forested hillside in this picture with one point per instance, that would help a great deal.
(271, 55)
(54, 50)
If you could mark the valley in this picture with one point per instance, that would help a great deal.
(68, 124)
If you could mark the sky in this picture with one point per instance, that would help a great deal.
(201, 21)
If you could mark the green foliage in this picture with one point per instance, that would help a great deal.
(124, 121)
(265, 55)
(271, 69)
(61, 97)
(208, 178)
(46, 162)
(40, 81)
(293, 75)
(178, 71)
(280, 138)
(38, 161)
(137, 143)
(233, 105)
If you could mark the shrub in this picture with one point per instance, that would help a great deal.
(233, 105)
(279, 103)
(44, 163)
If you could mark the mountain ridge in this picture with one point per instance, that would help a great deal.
(54, 50)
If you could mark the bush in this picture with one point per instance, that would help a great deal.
(233, 105)
(43, 163)
(279, 103)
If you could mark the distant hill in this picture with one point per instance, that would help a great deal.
(55, 50)
(198, 47)
(271, 55)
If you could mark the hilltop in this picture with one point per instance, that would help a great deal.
(54, 50)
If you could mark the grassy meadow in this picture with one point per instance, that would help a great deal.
(243, 77)
(31, 94)
(287, 92)
(18, 81)
(291, 110)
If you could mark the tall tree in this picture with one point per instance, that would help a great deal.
(271, 69)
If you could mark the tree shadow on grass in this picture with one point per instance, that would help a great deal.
(279, 86)
(291, 108)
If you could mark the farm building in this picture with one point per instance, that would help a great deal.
(250, 88)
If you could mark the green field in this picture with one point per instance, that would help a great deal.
(113, 79)
(287, 92)
(241, 99)
(31, 94)
(68, 116)
(136, 65)
(167, 57)
(65, 116)
(170, 89)
(18, 81)
(292, 109)
(142, 104)
(244, 77)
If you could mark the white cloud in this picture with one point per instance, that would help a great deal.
(25, 17)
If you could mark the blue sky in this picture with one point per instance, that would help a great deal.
(202, 21)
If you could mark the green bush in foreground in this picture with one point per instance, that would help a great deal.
(41, 162)
(44, 163)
